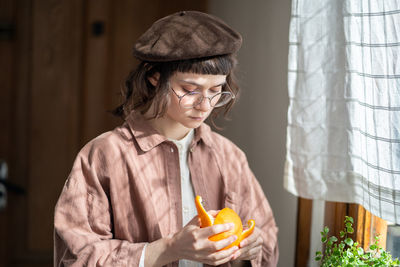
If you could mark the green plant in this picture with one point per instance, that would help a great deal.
(348, 253)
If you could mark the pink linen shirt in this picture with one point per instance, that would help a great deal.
(124, 191)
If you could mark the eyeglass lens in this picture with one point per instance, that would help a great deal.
(193, 99)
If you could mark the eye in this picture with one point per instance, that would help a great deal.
(188, 89)
(216, 90)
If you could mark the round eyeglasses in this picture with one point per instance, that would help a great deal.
(193, 99)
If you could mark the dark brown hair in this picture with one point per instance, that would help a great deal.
(140, 94)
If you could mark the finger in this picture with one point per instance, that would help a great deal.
(220, 244)
(247, 255)
(248, 240)
(213, 212)
(249, 251)
(250, 245)
(222, 256)
(216, 229)
(194, 221)
(251, 238)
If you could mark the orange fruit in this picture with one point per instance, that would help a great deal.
(226, 215)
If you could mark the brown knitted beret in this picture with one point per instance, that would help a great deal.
(187, 35)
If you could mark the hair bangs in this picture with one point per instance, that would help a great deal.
(221, 65)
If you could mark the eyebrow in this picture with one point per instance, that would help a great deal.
(199, 85)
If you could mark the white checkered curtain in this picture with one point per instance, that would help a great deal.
(343, 134)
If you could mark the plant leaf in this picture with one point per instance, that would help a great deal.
(342, 234)
(335, 254)
(333, 239)
(349, 241)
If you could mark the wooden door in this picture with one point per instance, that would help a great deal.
(62, 66)
(43, 54)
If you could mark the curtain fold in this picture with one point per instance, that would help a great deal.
(343, 133)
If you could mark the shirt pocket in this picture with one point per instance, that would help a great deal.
(231, 201)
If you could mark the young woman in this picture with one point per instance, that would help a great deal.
(129, 200)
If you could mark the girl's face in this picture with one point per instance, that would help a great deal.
(183, 83)
(178, 121)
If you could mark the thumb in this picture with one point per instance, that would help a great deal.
(194, 221)
(213, 212)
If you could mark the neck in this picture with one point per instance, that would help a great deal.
(169, 129)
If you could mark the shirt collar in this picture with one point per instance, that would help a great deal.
(147, 137)
(185, 141)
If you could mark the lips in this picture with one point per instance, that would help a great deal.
(196, 118)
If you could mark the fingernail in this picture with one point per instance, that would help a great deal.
(231, 225)
(234, 237)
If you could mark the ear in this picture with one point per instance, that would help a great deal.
(154, 79)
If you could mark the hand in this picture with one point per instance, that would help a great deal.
(192, 243)
(250, 247)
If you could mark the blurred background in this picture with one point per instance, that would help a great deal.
(63, 64)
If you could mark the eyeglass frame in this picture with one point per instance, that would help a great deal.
(208, 97)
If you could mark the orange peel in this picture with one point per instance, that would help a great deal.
(226, 215)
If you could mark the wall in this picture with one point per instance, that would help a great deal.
(259, 120)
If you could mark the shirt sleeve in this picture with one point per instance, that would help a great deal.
(83, 226)
(254, 205)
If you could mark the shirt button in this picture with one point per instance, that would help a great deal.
(185, 209)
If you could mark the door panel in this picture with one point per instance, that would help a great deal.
(6, 66)
(53, 116)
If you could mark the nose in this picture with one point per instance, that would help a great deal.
(204, 105)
